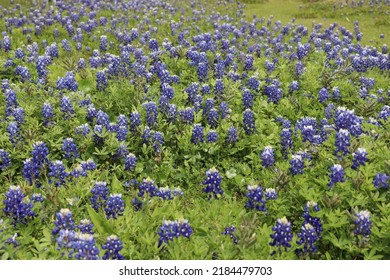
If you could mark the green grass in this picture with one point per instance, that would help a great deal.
(372, 24)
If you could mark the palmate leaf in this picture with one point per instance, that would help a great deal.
(100, 223)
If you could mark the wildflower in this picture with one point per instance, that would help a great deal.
(337, 175)
(114, 206)
(230, 231)
(64, 221)
(15, 207)
(282, 233)
(359, 158)
(112, 248)
(213, 182)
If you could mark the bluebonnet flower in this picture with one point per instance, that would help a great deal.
(164, 193)
(88, 165)
(219, 86)
(323, 95)
(39, 153)
(103, 119)
(66, 240)
(153, 45)
(249, 122)
(247, 99)
(70, 148)
(212, 136)
(197, 134)
(12, 240)
(18, 114)
(299, 68)
(6, 44)
(66, 46)
(212, 118)
(202, 71)
(85, 226)
(23, 72)
(309, 219)
(343, 141)
(19, 53)
(158, 141)
(81, 64)
(85, 247)
(37, 197)
(248, 65)
(270, 193)
(286, 140)
(380, 180)
(68, 82)
(112, 248)
(78, 171)
(5, 160)
(99, 195)
(64, 221)
(130, 162)
(294, 86)
(83, 129)
(359, 158)
(135, 121)
(101, 81)
(97, 135)
(213, 183)
(121, 133)
(15, 207)
(41, 64)
(167, 91)
(178, 191)
(30, 171)
(205, 89)
(147, 186)
(192, 90)
(151, 113)
(14, 133)
(282, 233)
(337, 175)
(209, 104)
(336, 93)
(230, 231)
(384, 113)
(57, 173)
(363, 223)
(253, 83)
(173, 229)
(187, 115)
(146, 135)
(114, 206)
(137, 204)
(172, 113)
(232, 136)
(296, 165)
(66, 107)
(225, 110)
(274, 92)
(267, 156)
(103, 43)
(307, 236)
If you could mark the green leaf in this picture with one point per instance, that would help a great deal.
(231, 173)
(101, 224)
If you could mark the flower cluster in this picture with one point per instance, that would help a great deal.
(282, 233)
(173, 229)
(230, 231)
(257, 197)
(213, 183)
(16, 207)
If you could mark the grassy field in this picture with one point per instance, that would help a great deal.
(372, 23)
